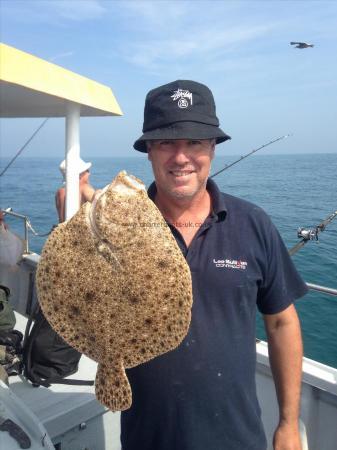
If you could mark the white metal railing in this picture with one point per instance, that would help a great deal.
(311, 286)
(324, 289)
(26, 222)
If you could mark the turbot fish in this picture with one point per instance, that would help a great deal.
(114, 284)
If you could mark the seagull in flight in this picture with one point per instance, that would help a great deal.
(301, 44)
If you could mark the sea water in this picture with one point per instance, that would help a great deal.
(295, 190)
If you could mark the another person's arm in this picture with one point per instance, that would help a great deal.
(87, 192)
(285, 356)
(60, 200)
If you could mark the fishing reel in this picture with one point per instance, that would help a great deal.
(308, 235)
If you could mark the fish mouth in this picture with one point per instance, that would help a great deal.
(122, 184)
(127, 183)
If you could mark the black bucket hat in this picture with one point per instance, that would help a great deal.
(182, 109)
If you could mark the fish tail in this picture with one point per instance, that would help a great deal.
(112, 387)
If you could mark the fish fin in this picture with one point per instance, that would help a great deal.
(112, 387)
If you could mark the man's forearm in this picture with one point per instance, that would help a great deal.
(285, 355)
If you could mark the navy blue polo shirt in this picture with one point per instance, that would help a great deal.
(202, 395)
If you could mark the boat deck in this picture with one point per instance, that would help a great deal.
(64, 409)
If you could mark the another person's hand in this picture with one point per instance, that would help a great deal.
(97, 193)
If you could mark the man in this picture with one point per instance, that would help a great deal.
(202, 395)
(86, 190)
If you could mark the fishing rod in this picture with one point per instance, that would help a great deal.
(311, 234)
(23, 147)
(306, 235)
(227, 166)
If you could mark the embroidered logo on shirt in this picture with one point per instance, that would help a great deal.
(230, 263)
(182, 96)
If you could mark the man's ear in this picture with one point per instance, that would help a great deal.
(149, 157)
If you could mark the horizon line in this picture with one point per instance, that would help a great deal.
(136, 156)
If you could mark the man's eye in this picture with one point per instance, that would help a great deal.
(194, 142)
(165, 144)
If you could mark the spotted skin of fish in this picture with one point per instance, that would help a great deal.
(114, 284)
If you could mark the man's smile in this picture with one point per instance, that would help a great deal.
(181, 172)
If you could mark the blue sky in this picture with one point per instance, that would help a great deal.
(263, 87)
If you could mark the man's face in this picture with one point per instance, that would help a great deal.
(181, 167)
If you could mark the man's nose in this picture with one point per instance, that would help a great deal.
(180, 153)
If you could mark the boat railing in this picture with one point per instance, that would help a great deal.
(27, 226)
(324, 289)
(25, 220)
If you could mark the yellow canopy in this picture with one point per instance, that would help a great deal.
(32, 87)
